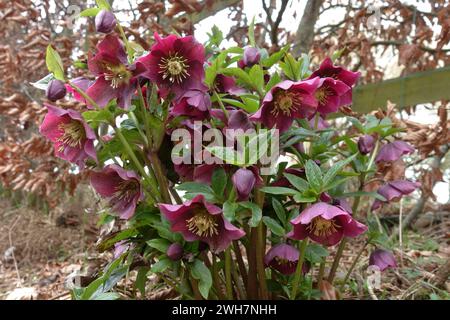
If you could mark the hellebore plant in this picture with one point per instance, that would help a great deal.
(229, 221)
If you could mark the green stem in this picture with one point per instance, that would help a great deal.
(337, 258)
(225, 112)
(228, 274)
(85, 96)
(260, 251)
(321, 273)
(136, 162)
(160, 177)
(299, 270)
(216, 278)
(353, 265)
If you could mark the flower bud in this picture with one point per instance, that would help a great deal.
(382, 259)
(105, 22)
(366, 144)
(55, 90)
(244, 180)
(175, 252)
(251, 57)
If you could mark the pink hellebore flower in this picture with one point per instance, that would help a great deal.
(175, 63)
(72, 137)
(200, 220)
(394, 190)
(393, 151)
(184, 108)
(284, 258)
(328, 70)
(116, 79)
(331, 95)
(285, 102)
(121, 187)
(325, 224)
(244, 180)
(383, 259)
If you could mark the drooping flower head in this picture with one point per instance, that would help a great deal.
(325, 224)
(175, 63)
(175, 251)
(116, 78)
(285, 102)
(250, 58)
(244, 180)
(184, 108)
(393, 151)
(394, 190)
(72, 137)
(121, 187)
(105, 22)
(328, 70)
(331, 95)
(284, 258)
(55, 90)
(383, 259)
(366, 143)
(199, 220)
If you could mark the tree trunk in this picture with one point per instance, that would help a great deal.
(305, 32)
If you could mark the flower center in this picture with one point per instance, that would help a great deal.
(285, 102)
(73, 134)
(322, 95)
(202, 224)
(117, 75)
(174, 68)
(322, 227)
(283, 261)
(126, 190)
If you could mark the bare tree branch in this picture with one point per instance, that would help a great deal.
(305, 32)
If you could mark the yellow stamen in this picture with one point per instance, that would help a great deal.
(117, 75)
(174, 67)
(322, 227)
(73, 135)
(285, 102)
(202, 224)
(322, 94)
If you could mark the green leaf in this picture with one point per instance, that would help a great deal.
(315, 253)
(250, 105)
(228, 155)
(375, 195)
(159, 244)
(256, 213)
(274, 80)
(107, 296)
(201, 273)
(299, 198)
(275, 57)
(42, 84)
(141, 279)
(279, 210)
(111, 239)
(54, 63)
(298, 182)
(103, 4)
(279, 190)
(98, 116)
(90, 12)
(219, 181)
(195, 187)
(336, 183)
(274, 226)
(257, 75)
(251, 33)
(333, 171)
(161, 265)
(314, 175)
(238, 73)
(229, 210)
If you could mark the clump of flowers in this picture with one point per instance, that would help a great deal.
(228, 211)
